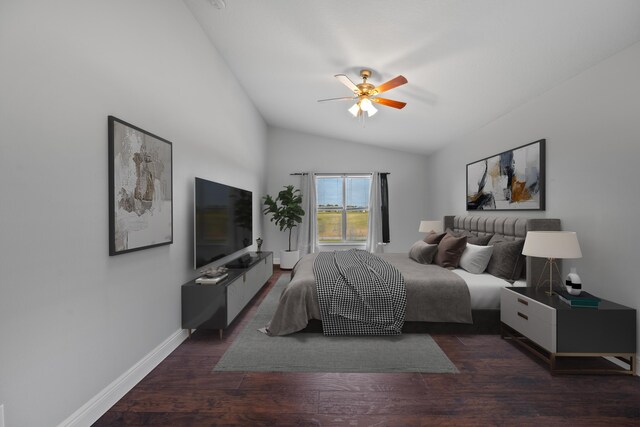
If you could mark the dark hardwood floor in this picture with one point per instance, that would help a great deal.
(498, 384)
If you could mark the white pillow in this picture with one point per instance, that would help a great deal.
(476, 258)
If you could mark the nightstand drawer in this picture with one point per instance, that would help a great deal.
(513, 301)
(530, 318)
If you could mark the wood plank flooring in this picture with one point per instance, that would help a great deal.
(498, 384)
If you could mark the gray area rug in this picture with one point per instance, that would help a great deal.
(313, 352)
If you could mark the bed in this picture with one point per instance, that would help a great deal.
(438, 299)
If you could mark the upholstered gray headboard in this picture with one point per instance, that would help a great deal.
(511, 228)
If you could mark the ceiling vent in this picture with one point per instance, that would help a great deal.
(218, 4)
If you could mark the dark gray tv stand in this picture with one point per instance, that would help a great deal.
(216, 306)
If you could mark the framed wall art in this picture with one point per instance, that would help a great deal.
(512, 180)
(140, 189)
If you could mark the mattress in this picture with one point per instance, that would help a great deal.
(484, 289)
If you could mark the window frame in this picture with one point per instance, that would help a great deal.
(344, 208)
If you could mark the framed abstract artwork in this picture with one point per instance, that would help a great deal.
(512, 180)
(140, 189)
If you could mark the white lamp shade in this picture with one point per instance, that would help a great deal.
(427, 226)
(372, 110)
(552, 244)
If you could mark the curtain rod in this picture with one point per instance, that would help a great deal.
(339, 173)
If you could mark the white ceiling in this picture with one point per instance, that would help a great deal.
(468, 62)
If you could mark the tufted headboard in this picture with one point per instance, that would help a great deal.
(512, 228)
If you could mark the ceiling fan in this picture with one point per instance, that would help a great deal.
(365, 94)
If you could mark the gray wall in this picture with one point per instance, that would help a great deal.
(290, 151)
(73, 319)
(592, 127)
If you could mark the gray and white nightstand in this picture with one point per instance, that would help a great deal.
(550, 329)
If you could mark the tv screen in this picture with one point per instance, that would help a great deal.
(223, 220)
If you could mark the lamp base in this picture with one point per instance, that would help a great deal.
(549, 291)
(550, 263)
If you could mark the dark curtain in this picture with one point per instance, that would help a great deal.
(384, 196)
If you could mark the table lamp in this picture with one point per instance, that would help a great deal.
(551, 245)
(430, 227)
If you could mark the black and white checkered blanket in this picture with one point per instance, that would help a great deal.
(359, 294)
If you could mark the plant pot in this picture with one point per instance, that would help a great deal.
(288, 259)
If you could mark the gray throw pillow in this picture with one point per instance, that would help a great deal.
(422, 252)
(450, 250)
(479, 240)
(506, 261)
(475, 258)
(434, 238)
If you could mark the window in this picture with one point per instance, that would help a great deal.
(343, 208)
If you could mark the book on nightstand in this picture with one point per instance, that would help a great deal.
(585, 299)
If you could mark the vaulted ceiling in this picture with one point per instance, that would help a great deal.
(468, 62)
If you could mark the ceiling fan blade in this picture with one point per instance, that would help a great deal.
(348, 83)
(344, 98)
(389, 102)
(395, 82)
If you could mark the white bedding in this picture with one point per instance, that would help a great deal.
(484, 289)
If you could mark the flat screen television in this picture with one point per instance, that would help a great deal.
(223, 221)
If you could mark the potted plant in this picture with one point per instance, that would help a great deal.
(286, 211)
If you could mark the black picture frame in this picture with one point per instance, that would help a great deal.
(140, 188)
(507, 181)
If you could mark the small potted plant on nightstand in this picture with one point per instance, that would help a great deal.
(286, 211)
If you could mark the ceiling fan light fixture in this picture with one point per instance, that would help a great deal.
(355, 110)
(366, 94)
(372, 110)
(366, 105)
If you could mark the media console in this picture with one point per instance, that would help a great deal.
(216, 306)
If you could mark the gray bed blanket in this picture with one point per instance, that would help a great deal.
(434, 294)
(359, 294)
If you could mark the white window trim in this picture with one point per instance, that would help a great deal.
(344, 209)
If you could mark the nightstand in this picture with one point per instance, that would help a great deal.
(549, 328)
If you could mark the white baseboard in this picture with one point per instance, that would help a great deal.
(91, 411)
